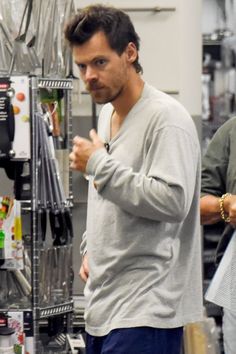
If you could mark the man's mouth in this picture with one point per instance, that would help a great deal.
(94, 87)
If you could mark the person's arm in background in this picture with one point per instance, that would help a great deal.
(214, 175)
(210, 209)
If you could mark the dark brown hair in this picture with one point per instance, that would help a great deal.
(115, 24)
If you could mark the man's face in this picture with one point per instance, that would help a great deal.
(103, 71)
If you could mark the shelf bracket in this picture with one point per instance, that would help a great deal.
(146, 9)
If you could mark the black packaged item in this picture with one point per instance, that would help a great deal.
(22, 185)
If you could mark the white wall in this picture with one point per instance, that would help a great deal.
(170, 47)
(190, 54)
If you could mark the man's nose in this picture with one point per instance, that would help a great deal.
(90, 74)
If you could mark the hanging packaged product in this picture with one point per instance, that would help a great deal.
(7, 123)
(16, 322)
(21, 107)
(12, 336)
(2, 243)
(11, 246)
(14, 124)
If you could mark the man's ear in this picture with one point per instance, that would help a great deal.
(131, 52)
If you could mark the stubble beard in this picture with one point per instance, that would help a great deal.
(108, 97)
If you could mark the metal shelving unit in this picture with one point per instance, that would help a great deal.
(57, 306)
(65, 308)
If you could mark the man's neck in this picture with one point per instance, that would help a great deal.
(129, 97)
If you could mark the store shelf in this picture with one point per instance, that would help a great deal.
(26, 204)
(212, 42)
(65, 84)
(55, 310)
(15, 309)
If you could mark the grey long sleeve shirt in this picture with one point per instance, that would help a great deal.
(143, 229)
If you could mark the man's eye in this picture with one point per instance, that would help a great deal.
(81, 67)
(101, 62)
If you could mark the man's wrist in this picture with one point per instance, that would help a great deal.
(95, 158)
(224, 202)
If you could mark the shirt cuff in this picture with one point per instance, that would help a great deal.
(96, 161)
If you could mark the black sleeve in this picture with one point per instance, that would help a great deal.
(215, 163)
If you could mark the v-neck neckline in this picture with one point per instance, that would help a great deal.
(126, 119)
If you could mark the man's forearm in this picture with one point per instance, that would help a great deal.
(210, 209)
(139, 194)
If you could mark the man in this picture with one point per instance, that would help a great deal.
(218, 203)
(142, 263)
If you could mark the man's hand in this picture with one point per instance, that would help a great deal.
(84, 269)
(230, 208)
(83, 149)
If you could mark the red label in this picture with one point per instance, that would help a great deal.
(3, 322)
(4, 86)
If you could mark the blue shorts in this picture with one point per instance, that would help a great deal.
(138, 340)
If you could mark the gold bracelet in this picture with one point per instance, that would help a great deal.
(222, 210)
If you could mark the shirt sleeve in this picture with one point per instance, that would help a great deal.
(215, 164)
(165, 189)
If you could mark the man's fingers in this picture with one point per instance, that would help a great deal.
(73, 166)
(76, 139)
(84, 269)
(72, 159)
(83, 272)
(82, 150)
(71, 156)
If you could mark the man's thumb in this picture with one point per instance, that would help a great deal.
(94, 137)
